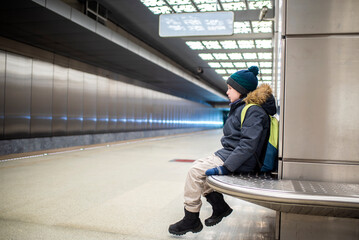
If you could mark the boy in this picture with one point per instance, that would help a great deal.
(242, 147)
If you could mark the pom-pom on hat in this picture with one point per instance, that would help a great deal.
(244, 81)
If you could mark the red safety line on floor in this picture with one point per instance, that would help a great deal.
(182, 160)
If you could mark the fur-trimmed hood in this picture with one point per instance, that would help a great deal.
(263, 96)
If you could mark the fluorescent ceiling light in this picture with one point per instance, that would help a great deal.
(195, 45)
(207, 7)
(184, 8)
(266, 71)
(265, 55)
(204, 1)
(265, 64)
(230, 44)
(242, 27)
(221, 71)
(160, 10)
(267, 78)
(249, 55)
(231, 71)
(234, 6)
(227, 64)
(212, 44)
(214, 64)
(255, 4)
(240, 64)
(249, 64)
(245, 44)
(153, 3)
(262, 27)
(206, 56)
(178, 2)
(220, 56)
(263, 43)
(235, 56)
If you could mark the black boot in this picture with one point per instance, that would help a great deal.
(190, 223)
(219, 206)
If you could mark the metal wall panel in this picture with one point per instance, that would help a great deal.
(59, 101)
(90, 99)
(41, 98)
(137, 100)
(112, 107)
(18, 96)
(322, 16)
(321, 99)
(75, 102)
(121, 106)
(103, 89)
(2, 92)
(130, 108)
(322, 171)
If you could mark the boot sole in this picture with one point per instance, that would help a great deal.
(217, 220)
(196, 230)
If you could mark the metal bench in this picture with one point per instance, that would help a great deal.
(292, 196)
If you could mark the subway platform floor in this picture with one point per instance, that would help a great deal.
(126, 190)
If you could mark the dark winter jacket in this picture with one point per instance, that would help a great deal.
(241, 146)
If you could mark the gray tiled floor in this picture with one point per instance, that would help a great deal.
(126, 191)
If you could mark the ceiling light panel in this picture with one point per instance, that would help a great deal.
(265, 55)
(265, 64)
(242, 27)
(249, 55)
(264, 43)
(234, 6)
(207, 7)
(220, 56)
(249, 64)
(204, 1)
(195, 45)
(266, 71)
(245, 44)
(258, 4)
(206, 56)
(227, 65)
(184, 8)
(221, 71)
(267, 78)
(153, 3)
(179, 2)
(230, 44)
(231, 71)
(160, 10)
(239, 64)
(235, 56)
(212, 44)
(262, 27)
(214, 64)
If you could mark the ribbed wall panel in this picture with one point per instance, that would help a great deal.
(90, 103)
(59, 101)
(41, 98)
(17, 96)
(2, 92)
(66, 97)
(75, 102)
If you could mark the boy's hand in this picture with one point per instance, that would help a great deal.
(217, 171)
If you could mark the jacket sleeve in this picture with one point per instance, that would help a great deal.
(252, 130)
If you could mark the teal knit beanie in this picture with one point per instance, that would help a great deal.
(244, 81)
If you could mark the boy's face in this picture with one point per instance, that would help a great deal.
(232, 94)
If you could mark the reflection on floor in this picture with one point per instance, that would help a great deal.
(127, 190)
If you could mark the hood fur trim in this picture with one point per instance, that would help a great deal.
(260, 95)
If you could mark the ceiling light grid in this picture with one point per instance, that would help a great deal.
(227, 56)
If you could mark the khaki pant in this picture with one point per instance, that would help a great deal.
(196, 182)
